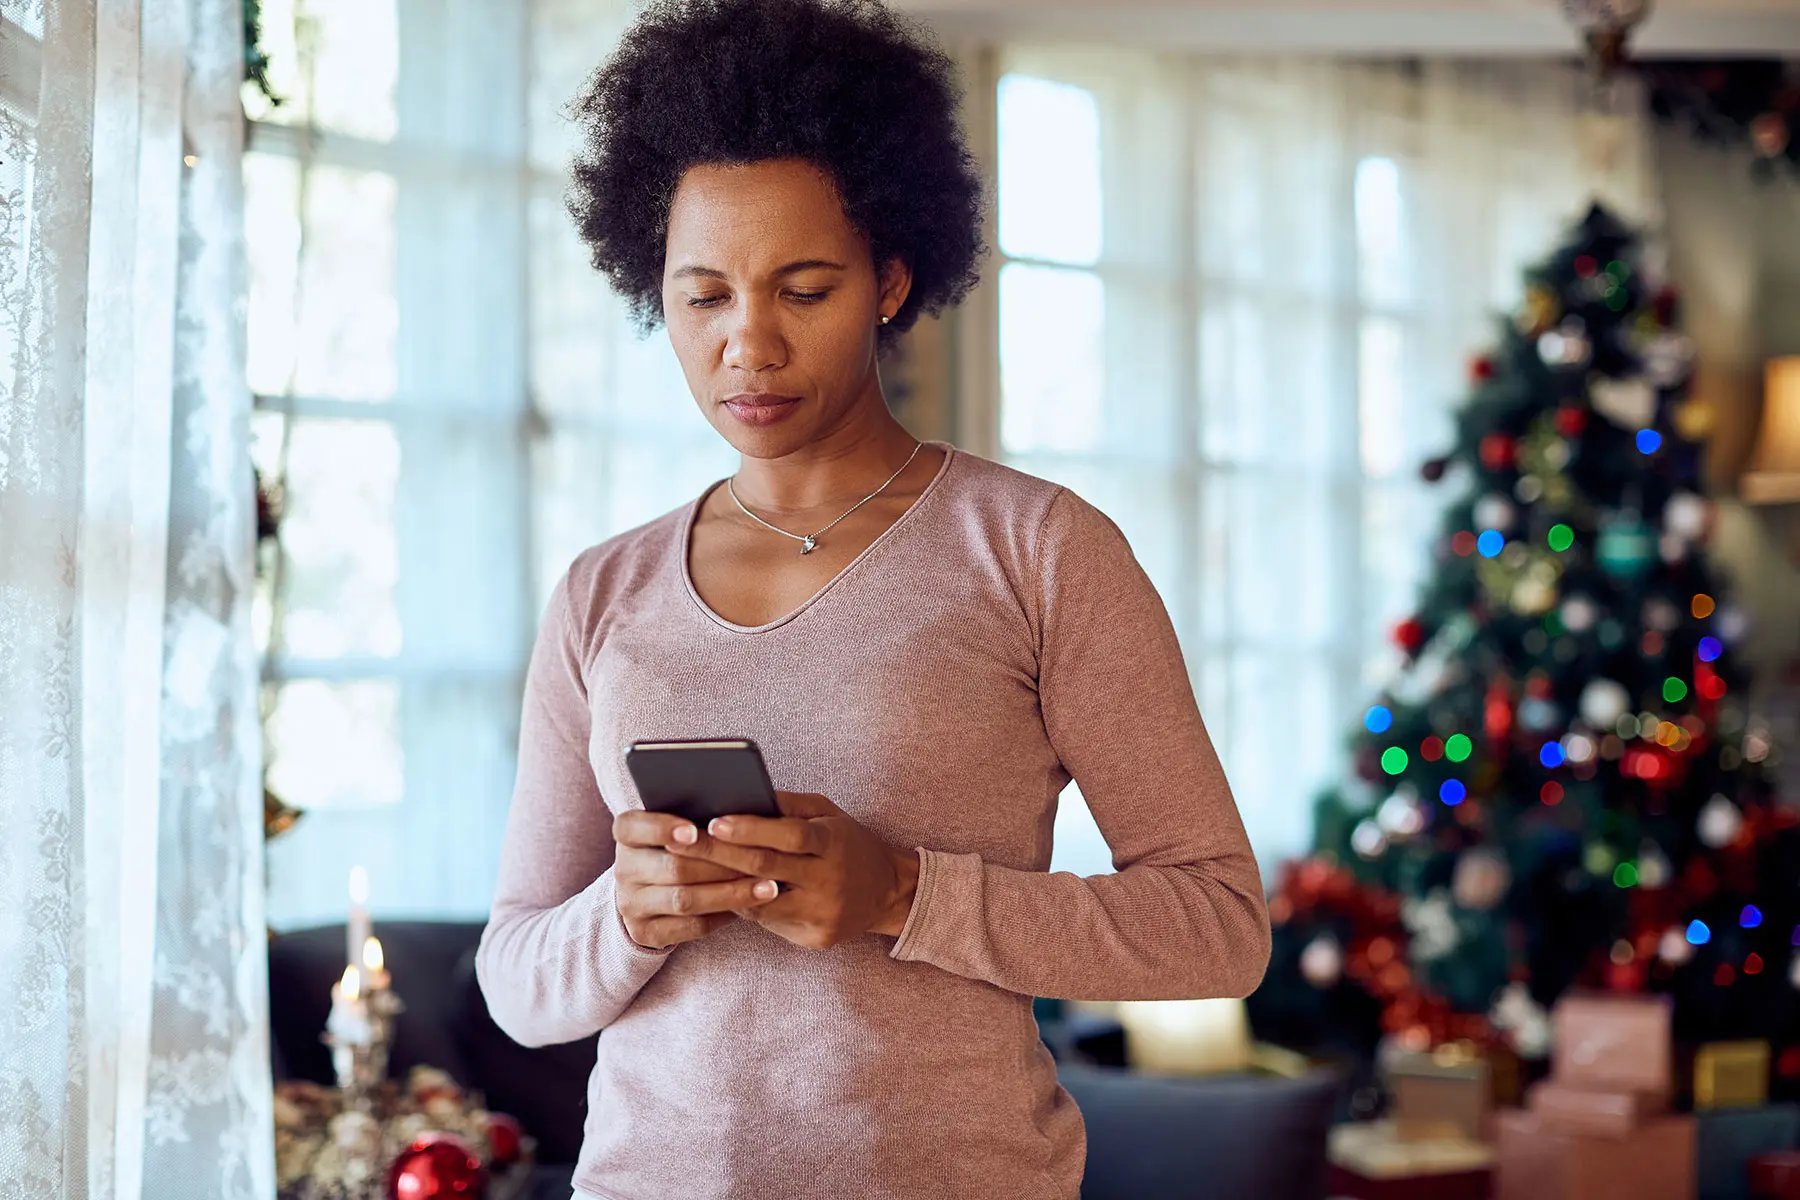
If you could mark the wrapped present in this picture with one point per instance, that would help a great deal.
(1775, 1176)
(1613, 1043)
(1595, 1112)
(1729, 1138)
(1370, 1160)
(1439, 1094)
(1731, 1075)
(1539, 1162)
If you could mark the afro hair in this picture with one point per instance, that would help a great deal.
(842, 84)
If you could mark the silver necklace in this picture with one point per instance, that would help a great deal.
(808, 541)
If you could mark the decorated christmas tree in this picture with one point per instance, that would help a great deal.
(1565, 786)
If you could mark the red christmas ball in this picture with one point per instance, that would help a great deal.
(1570, 421)
(1481, 368)
(505, 1136)
(1409, 635)
(1666, 306)
(436, 1165)
(1498, 451)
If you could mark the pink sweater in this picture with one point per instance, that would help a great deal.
(942, 689)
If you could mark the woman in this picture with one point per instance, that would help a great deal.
(926, 645)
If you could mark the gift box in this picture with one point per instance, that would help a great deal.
(1539, 1162)
(1730, 1138)
(1370, 1160)
(1568, 1108)
(1439, 1094)
(1775, 1176)
(1613, 1043)
(1731, 1075)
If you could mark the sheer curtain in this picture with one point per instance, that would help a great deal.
(1237, 298)
(135, 1055)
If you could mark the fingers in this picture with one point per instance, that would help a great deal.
(702, 899)
(661, 867)
(790, 835)
(657, 933)
(755, 861)
(649, 830)
(806, 804)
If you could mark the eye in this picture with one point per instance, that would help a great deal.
(809, 297)
(703, 301)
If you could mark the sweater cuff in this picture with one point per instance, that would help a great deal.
(949, 884)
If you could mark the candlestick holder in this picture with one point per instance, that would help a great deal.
(359, 1052)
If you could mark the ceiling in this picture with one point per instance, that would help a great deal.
(1676, 28)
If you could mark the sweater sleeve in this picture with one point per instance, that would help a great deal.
(1184, 916)
(555, 961)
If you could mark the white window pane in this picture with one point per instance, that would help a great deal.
(335, 745)
(1052, 358)
(1078, 844)
(1272, 382)
(342, 563)
(1381, 242)
(1049, 150)
(26, 14)
(1269, 545)
(336, 61)
(348, 316)
(1381, 397)
(272, 242)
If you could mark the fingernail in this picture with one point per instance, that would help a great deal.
(687, 835)
(765, 890)
(719, 827)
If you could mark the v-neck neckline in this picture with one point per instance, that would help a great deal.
(684, 533)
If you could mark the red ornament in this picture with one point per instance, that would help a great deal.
(1571, 421)
(1587, 266)
(1775, 1176)
(436, 1165)
(505, 1137)
(1409, 635)
(1498, 451)
(1463, 543)
(1481, 368)
(1497, 713)
(1666, 306)
(1788, 1065)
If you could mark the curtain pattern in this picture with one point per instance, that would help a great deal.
(132, 949)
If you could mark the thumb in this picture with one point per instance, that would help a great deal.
(806, 804)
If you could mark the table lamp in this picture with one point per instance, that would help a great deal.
(1775, 478)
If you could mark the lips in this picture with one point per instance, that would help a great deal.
(759, 400)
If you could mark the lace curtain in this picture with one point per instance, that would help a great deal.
(132, 945)
(1237, 298)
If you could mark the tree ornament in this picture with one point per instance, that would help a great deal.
(1400, 815)
(1627, 403)
(1603, 702)
(1695, 419)
(1571, 421)
(1432, 926)
(1524, 1019)
(1732, 623)
(1720, 822)
(1539, 715)
(1433, 469)
(436, 1165)
(1409, 635)
(1481, 879)
(1626, 547)
(1674, 947)
(1567, 345)
(1481, 368)
(1322, 962)
(1540, 310)
(506, 1139)
(1579, 614)
(1498, 451)
(1653, 867)
(1669, 360)
(1494, 511)
(1660, 615)
(1368, 841)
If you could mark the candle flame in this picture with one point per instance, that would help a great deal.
(352, 984)
(372, 956)
(359, 885)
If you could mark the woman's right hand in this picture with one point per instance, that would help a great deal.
(665, 900)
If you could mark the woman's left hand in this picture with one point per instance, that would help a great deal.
(841, 879)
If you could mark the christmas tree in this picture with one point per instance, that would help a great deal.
(1565, 786)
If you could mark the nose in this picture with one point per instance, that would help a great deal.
(753, 339)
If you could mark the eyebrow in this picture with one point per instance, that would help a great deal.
(805, 264)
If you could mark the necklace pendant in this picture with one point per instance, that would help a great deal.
(806, 547)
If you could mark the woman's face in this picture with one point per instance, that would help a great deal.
(769, 293)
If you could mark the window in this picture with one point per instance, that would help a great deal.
(455, 405)
(1236, 302)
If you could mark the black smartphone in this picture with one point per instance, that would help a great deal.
(700, 779)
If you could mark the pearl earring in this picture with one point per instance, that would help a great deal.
(884, 320)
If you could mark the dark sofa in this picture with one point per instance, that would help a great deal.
(1234, 1138)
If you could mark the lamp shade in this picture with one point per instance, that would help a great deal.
(1776, 477)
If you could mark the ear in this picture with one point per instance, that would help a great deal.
(895, 283)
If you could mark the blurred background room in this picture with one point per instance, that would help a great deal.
(1440, 361)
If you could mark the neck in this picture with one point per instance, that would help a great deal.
(835, 470)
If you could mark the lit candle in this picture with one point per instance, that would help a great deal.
(374, 965)
(359, 929)
(349, 1019)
